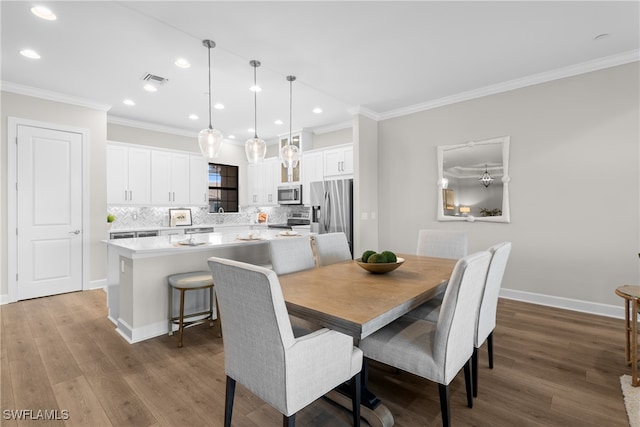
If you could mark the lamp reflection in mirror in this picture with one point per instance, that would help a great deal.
(289, 153)
(210, 139)
(459, 167)
(255, 148)
(485, 179)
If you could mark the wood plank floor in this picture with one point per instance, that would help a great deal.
(552, 368)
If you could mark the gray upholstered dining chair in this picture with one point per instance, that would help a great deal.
(263, 354)
(291, 254)
(442, 243)
(437, 351)
(332, 248)
(488, 307)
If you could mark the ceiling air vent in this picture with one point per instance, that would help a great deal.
(148, 77)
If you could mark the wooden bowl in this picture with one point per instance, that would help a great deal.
(380, 267)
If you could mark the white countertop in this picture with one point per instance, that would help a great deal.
(164, 245)
(160, 228)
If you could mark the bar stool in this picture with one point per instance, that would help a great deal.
(187, 282)
(631, 295)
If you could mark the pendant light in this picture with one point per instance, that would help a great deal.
(255, 148)
(209, 139)
(289, 153)
(486, 179)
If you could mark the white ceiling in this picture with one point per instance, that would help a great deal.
(382, 57)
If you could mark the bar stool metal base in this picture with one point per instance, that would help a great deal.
(182, 283)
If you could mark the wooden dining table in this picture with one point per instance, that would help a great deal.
(346, 298)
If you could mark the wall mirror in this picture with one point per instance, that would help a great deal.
(473, 181)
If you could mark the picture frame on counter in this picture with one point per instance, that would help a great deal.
(179, 217)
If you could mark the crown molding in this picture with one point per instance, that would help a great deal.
(332, 128)
(364, 111)
(560, 73)
(51, 96)
(150, 126)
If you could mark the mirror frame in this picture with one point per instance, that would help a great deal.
(506, 215)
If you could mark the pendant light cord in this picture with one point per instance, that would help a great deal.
(255, 101)
(291, 79)
(209, 54)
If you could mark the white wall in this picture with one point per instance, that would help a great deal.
(575, 185)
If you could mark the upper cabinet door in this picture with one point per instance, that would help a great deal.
(338, 161)
(161, 178)
(169, 178)
(128, 175)
(199, 181)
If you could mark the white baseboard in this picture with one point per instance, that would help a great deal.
(134, 335)
(96, 284)
(4, 299)
(565, 303)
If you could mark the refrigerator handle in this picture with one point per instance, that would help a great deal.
(326, 218)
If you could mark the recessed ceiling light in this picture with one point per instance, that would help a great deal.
(278, 122)
(193, 117)
(44, 13)
(129, 102)
(219, 106)
(30, 53)
(182, 63)
(150, 88)
(232, 136)
(255, 88)
(601, 36)
(317, 110)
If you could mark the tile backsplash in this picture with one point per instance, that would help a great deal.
(158, 216)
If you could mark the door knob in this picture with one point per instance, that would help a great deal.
(75, 232)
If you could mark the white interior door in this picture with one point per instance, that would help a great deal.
(49, 212)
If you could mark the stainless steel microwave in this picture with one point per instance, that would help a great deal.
(290, 194)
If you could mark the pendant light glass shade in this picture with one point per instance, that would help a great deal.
(486, 179)
(210, 139)
(255, 148)
(290, 154)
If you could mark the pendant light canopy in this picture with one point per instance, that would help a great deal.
(255, 148)
(289, 153)
(210, 139)
(486, 179)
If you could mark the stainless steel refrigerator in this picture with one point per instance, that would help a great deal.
(332, 208)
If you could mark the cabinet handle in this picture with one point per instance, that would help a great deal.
(130, 195)
(125, 195)
(169, 195)
(174, 196)
(205, 197)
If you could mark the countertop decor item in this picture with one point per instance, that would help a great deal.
(209, 139)
(380, 267)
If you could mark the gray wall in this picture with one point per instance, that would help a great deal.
(574, 167)
(27, 107)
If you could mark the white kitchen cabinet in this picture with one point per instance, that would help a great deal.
(128, 175)
(312, 171)
(169, 178)
(338, 161)
(302, 140)
(198, 181)
(263, 182)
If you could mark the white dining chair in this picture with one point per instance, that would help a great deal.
(332, 248)
(263, 354)
(442, 243)
(486, 323)
(437, 351)
(291, 254)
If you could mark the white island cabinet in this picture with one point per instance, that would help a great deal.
(137, 271)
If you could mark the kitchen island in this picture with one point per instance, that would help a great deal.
(137, 290)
